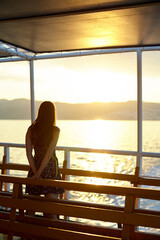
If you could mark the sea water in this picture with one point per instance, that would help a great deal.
(97, 134)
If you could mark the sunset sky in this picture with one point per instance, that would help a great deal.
(103, 78)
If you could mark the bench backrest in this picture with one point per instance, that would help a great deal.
(128, 216)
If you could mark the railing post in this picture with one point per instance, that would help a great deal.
(67, 158)
(6, 153)
(17, 192)
(128, 230)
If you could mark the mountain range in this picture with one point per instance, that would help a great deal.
(20, 109)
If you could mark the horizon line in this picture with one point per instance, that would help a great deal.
(14, 99)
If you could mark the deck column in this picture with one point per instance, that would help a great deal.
(139, 109)
(32, 90)
(139, 121)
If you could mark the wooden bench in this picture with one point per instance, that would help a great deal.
(134, 179)
(14, 222)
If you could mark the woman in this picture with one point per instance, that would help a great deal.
(42, 136)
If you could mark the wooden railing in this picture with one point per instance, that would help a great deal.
(135, 178)
(15, 223)
(114, 214)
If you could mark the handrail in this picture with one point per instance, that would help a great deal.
(85, 187)
(84, 173)
(77, 149)
(133, 178)
(90, 150)
(17, 145)
(74, 172)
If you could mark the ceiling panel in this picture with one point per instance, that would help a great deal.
(50, 26)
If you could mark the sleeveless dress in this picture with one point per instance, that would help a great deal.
(51, 171)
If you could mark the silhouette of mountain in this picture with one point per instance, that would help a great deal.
(20, 109)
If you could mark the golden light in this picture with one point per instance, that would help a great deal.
(100, 42)
(98, 138)
(104, 163)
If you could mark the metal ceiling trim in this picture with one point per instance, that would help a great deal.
(6, 48)
(79, 53)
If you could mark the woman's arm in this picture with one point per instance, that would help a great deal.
(49, 152)
(29, 151)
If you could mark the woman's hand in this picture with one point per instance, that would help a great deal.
(36, 176)
(49, 152)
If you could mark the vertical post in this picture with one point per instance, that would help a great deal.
(128, 230)
(139, 119)
(6, 153)
(32, 90)
(17, 191)
(139, 109)
(67, 158)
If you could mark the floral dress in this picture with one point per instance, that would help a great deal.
(51, 171)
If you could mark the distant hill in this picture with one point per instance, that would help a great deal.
(20, 109)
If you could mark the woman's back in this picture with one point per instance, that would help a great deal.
(42, 136)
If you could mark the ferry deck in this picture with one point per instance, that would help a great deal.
(35, 30)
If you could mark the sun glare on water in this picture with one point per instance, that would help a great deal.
(99, 134)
